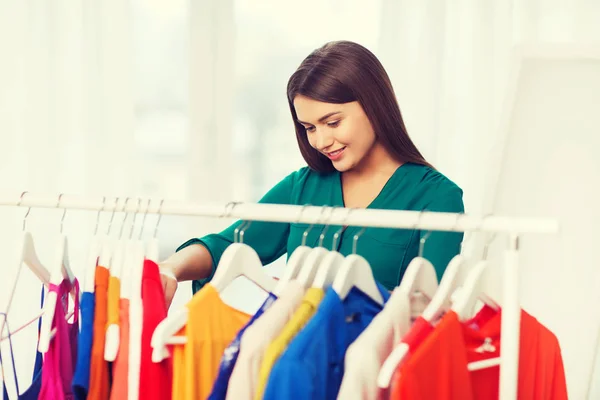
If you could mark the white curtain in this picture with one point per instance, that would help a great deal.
(449, 62)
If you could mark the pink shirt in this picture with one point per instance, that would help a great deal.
(60, 359)
(243, 381)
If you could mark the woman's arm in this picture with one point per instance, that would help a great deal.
(197, 258)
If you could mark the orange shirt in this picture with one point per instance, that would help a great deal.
(438, 367)
(211, 326)
(99, 384)
(119, 388)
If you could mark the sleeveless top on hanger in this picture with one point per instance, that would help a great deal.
(61, 356)
(33, 391)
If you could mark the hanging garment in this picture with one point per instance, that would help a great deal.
(231, 353)
(438, 367)
(33, 391)
(61, 357)
(313, 365)
(155, 378)
(256, 339)
(388, 251)
(367, 354)
(210, 327)
(308, 306)
(81, 379)
(112, 303)
(119, 389)
(99, 373)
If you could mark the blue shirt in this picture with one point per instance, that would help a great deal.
(312, 367)
(231, 353)
(81, 377)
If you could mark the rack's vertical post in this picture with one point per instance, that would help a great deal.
(511, 322)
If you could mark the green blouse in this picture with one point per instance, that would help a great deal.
(389, 251)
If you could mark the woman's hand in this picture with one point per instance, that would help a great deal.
(192, 262)
(169, 282)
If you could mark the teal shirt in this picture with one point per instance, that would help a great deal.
(389, 251)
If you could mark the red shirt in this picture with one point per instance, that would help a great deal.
(155, 378)
(438, 367)
(417, 333)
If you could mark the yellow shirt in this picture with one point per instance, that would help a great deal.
(114, 294)
(302, 315)
(210, 328)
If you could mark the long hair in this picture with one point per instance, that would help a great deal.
(343, 72)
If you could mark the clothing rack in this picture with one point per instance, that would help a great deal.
(434, 221)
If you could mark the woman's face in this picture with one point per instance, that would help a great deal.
(341, 132)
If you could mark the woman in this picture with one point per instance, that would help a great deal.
(359, 155)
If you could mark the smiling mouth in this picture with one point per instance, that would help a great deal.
(335, 154)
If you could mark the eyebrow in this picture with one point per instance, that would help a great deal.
(323, 118)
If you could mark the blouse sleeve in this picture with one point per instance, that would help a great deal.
(441, 247)
(269, 239)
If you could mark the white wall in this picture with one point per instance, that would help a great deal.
(550, 168)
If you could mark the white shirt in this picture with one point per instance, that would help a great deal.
(256, 339)
(367, 353)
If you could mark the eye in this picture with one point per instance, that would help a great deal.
(333, 124)
(310, 129)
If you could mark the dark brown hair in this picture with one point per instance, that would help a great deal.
(343, 72)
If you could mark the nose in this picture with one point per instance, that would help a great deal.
(324, 139)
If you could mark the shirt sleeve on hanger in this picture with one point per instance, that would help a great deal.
(269, 239)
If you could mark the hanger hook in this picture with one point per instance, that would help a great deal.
(62, 220)
(112, 216)
(326, 227)
(424, 238)
(490, 240)
(238, 233)
(337, 234)
(28, 209)
(124, 217)
(137, 210)
(159, 217)
(98, 215)
(144, 219)
(242, 229)
(355, 239)
(455, 227)
(305, 234)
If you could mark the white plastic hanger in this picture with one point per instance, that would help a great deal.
(313, 259)
(133, 261)
(331, 263)
(356, 272)
(237, 260)
(60, 270)
(108, 243)
(27, 255)
(26, 251)
(292, 268)
(152, 252)
(133, 289)
(93, 255)
(125, 250)
(440, 302)
(479, 285)
(294, 263)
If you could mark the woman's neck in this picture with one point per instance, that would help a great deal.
(378, 162)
